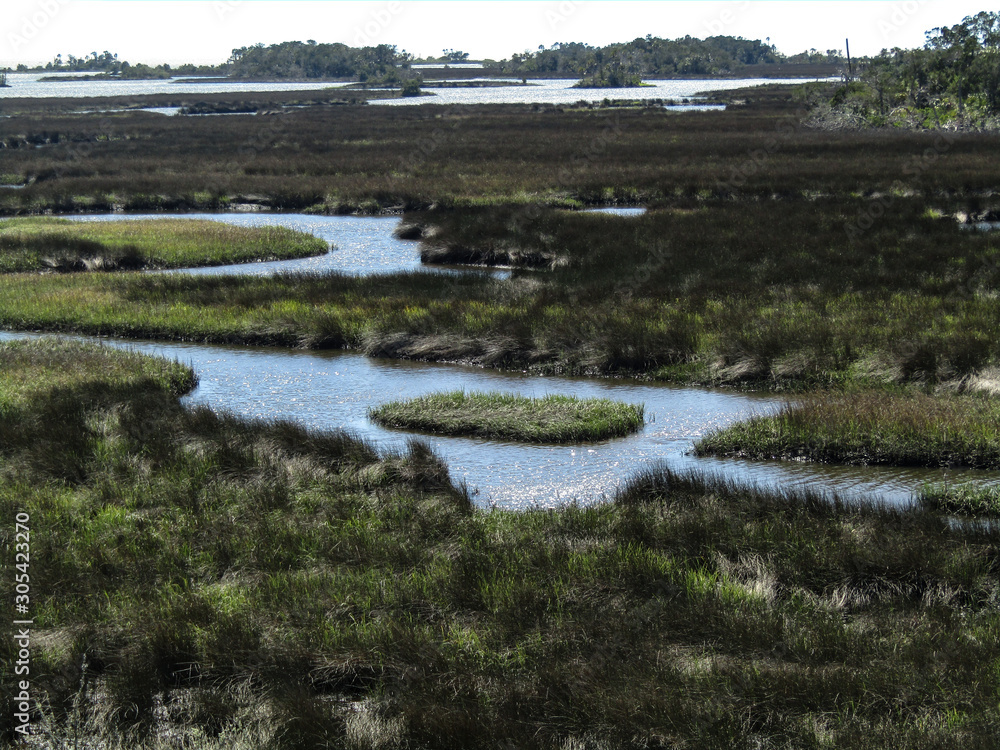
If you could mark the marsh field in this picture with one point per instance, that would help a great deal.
(202, 580)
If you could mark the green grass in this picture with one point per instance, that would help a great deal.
(503, 416)
(34, 244)
(690, 295)
(899, 428)
(965, 498)
(205, 581)
(34, 369)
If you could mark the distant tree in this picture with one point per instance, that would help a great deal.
(299, 60)
(410, 87)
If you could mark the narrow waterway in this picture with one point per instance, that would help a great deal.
(335, 389)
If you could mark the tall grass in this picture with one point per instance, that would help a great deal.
(205, 580)
(720, 294)
(964, 498)
(504, 416)
(904, 429)
(406, 157)
(32, 244)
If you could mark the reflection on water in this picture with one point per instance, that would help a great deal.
(332, 390)
(617, 210)
(29, 85)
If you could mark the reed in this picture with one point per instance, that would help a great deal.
(965, 498)
(717, 294)
(392, 158)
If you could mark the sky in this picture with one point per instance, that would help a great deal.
(206, 31)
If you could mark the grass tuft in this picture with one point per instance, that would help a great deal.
(504, 416)
(229, 583)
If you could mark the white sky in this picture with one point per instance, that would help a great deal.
(205, 31)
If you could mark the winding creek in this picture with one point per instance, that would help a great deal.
(334, 389)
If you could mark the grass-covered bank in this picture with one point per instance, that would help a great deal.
(902, 429)
(201, 580)
(504, 416)
(45, 243)
(713, 294)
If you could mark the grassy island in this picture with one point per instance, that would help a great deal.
(229, 583)
(45, 243)
(902, 429)
(503, 416)
(964, 498)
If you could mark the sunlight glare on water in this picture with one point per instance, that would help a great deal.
(334, 389)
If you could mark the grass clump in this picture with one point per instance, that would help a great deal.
(965, 498)
(45, 243)
(504, 416)
(897, 428)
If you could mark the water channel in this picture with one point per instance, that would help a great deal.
(334, 389)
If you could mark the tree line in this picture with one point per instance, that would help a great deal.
(954, 79)
(652, 56)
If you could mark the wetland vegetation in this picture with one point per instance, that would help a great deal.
(47, 243)
(968, 499)
(203, 579)
(902, 429)
(503, 416)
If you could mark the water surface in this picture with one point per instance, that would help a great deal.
(360, 245)
(561, 91)
(549, 91)
(334, 390)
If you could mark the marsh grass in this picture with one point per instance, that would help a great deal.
(707, 287)
(34, 244)
(899, 428)
(206, 581)
(394, 158)
(711, 294)
(964, 498)
(504, 416)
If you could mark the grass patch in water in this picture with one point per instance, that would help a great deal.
(229, 583)
(896, 428)
(45, 243)
(505, 416)
(965, 498)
